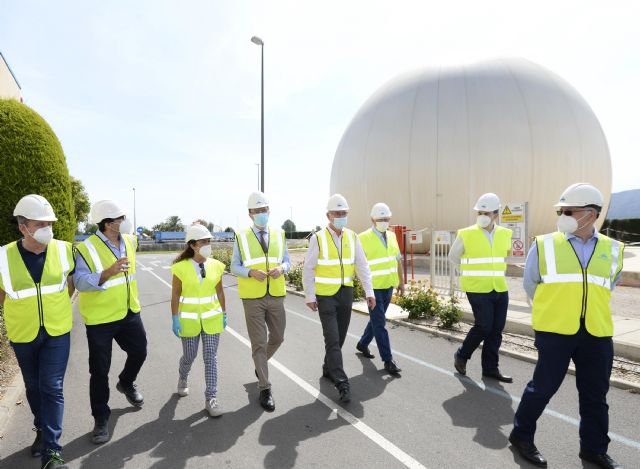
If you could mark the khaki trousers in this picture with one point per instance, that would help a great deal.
(266, 321)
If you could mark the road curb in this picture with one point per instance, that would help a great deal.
(615, 382)
(8, 402)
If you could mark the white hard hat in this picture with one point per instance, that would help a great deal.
(337, 203)
(106, 209)
(34, 207)
(380, 210)
(580, 195)
(257, 200)
(198, 231)
(488, 202)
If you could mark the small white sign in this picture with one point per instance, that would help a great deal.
(514, 216)
(442, 237)
(415, 237)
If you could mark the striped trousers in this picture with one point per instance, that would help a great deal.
(210, 356)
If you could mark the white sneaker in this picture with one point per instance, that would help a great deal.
(212, 406)
(183, 387)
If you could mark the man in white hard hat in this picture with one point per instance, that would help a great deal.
(260, 260)
(35, 287)
(569, 275)
(481, 251)
(106, 278)
(334, 255)
(385, 262)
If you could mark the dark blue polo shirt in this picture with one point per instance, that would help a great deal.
(34, 262)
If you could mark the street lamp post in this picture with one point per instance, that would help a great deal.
(256, 40)
(258, 165)
(135, 227)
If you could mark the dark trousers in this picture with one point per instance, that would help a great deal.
(593, 359)
(490, 314)
(130, 335)
(43, 363)
(376, 325)
(335, 315)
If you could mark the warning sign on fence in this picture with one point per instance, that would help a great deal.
(514, 216)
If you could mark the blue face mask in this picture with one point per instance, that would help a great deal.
(261, 219)
(340, 222)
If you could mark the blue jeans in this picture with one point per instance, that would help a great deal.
(376, 325)
(490, 314)
(593, 359)
(43, 363)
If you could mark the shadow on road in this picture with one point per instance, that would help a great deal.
(483, 410)
(285, 432)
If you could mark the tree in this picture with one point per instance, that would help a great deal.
(289, 226)
(317, 228)
(228, 229)
(210, 226)
(81, 204)
(90, 228)
(32, 162)
(172, 223)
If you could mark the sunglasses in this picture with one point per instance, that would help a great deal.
(569, 212)
(203, 272)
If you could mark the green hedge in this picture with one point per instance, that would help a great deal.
(627, 230)
(32, 162)
(294, 277)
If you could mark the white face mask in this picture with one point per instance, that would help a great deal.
(569, 225)
(43, 235)
(126, 227)
(205, 251)
(483, 221)
(382, 226)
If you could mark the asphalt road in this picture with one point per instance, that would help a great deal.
(430, 417)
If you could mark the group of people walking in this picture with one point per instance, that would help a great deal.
(569, 274)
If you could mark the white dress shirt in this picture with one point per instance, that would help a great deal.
(311, 260)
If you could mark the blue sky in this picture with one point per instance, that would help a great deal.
(164, 95)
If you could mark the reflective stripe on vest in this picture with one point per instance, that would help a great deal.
(120, 292)
(253, 257)
(483, 264)
(334, 269)
(569, 292)
(199, 309)
(27, 305)
(382, 258)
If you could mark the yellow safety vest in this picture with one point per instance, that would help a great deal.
(29, 305)
(253, 257)
(383, 260)
(334, 269)
(568, 292)
(483, 265)
(121, 290)
(199, 307)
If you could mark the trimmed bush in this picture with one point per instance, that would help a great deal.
(421, 302)
(32, 162)
(294, 277)
(223, 255)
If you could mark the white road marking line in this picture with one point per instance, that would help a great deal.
(573, 421)
(363, 428)
(166, 266)
(153, 273)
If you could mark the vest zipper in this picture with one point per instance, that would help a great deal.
(126, 278)
(585, 284)
(339, 254)
(40, 307)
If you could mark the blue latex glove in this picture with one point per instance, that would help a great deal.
(224, 319)
(176, 325)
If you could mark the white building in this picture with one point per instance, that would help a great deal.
(430, 142)
(9, 86)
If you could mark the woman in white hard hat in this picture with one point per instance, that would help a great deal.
(35, 287)
(198, 311)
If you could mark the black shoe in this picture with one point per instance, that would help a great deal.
(600, 460)
(460, 364)
(528, 451)
(499, 376)
(392, 368)
(364, 351)
(326, 374)
(54, 460)
(266, 400)
(344, 391)
(132, 394)
(36, 447)
(100, 433)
